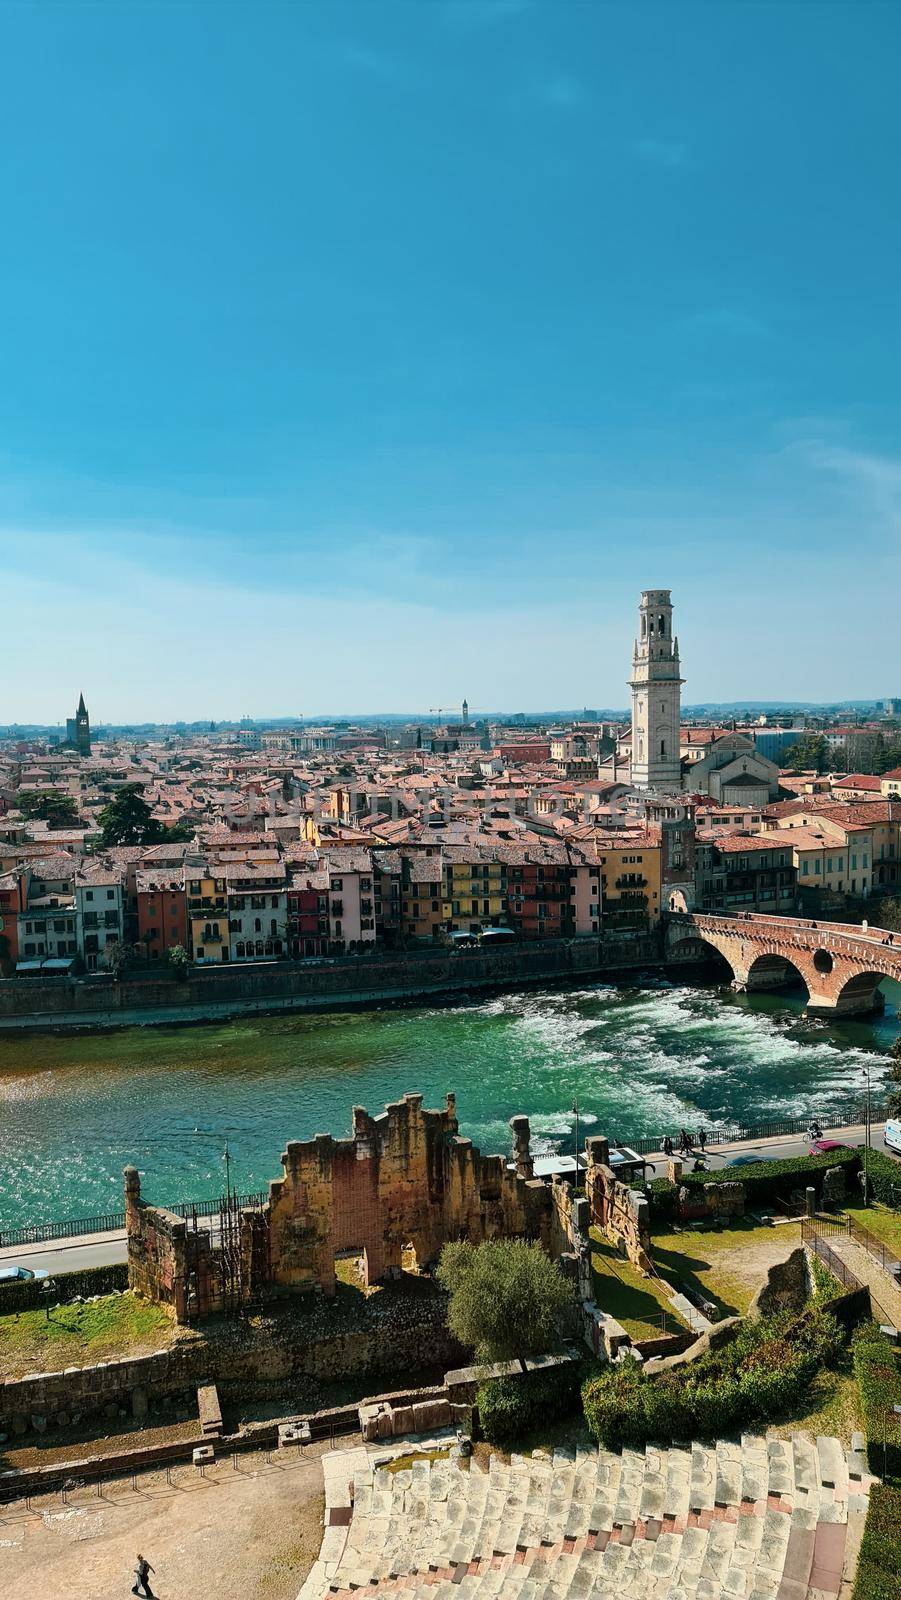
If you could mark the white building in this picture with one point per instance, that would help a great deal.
(99, 911)
(257, 910)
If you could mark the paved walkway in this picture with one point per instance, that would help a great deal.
(883, 1289)
(233, 1534)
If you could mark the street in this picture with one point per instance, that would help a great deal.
(103, 1249)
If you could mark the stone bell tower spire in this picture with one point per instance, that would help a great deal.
(656, 685)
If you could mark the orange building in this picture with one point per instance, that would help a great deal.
(162, 911)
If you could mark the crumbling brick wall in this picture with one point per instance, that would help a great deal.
(621, 1213)
(404, 1180)
(168, 1262)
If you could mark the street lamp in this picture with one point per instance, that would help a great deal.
(576, 1114)
(865, 1175)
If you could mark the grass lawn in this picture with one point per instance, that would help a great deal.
(726, 1266)
(621, 1290)
(830, 1406)
(76, 1335)
(879, 1220)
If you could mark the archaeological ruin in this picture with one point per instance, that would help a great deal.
(404, 1184)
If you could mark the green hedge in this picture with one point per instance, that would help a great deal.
(879, 1381)
(510, 1408)
(884, 1172)
(878, 1576)
(750, 1381)
(763, 1181)
(67, 1286)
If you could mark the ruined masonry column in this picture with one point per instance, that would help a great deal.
(522, 1153)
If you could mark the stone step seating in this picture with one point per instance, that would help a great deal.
(759, 1520)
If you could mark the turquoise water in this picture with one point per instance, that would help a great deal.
(75, 1110)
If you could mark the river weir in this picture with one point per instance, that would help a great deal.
(639, 1059)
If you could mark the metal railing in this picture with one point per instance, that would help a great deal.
(813, 1234)
(876, 1248)
(781, 1128)
(113, 1221)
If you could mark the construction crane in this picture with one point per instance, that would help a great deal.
(462, 708)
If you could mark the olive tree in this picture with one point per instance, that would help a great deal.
(507, 1298)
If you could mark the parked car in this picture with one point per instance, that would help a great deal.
(21, 1274)
(893, 1134)
(825, 1147)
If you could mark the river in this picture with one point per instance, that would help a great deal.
(75, 1109)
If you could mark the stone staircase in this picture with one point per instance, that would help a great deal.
(763, 1519)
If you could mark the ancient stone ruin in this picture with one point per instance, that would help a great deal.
(404, 1184)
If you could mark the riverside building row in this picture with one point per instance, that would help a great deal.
(270, 902)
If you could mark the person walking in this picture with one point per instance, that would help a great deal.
(702, 1140)
(667, 1145)
(143, 1570)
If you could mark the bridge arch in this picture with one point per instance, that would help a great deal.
(770, 970)
(860, 995)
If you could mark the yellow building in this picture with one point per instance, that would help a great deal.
(475, 889)
(207, 909)
(630, 879)
(422, 906)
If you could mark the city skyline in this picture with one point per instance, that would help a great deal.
(389, 345)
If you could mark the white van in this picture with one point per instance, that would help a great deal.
(893, 1135)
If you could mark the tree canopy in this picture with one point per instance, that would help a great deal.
(49, 805)
(507, 1298)
(128, 819)
(809, 753)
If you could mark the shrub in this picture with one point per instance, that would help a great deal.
(879, 1382)
(877, 1564)
(827, 1284)
(885, 1177)
(755, 1378)
(510, 1408)
(763, 1181)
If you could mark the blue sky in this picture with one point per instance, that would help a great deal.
(360, 356)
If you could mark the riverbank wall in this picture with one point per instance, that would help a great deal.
(217, 994)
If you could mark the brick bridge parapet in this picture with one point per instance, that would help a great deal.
(842, 964)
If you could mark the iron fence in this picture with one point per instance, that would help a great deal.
(877, 1249)
(114, 1221)
(812, 1233)
(784, 1128)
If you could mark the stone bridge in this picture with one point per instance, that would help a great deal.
(841, 964)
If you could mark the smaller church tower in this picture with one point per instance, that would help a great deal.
(656, 686)
(465, 710)
(82, 728)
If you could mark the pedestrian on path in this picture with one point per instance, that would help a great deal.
(142, 1577)
(702, 1140)
(667, 1145)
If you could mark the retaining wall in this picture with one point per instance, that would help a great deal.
(389, 1335)
(220, 992)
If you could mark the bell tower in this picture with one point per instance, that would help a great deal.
(656, 685)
